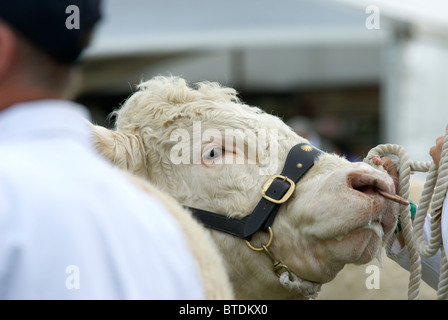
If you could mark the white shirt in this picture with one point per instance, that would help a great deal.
(71, 226)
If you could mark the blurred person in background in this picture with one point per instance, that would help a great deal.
(71, 226)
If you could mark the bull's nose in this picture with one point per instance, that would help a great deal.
(369, 182)
(373, 184)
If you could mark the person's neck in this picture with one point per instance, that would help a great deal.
(12, 96)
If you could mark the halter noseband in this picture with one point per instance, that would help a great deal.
(277, 190)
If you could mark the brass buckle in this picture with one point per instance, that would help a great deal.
(287, 194)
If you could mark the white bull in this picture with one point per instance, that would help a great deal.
(185, 142)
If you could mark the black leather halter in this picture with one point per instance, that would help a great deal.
(277, 190)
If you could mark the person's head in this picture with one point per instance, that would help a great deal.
(40, 42)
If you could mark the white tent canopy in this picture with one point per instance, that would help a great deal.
(255, 44)
(156, 26)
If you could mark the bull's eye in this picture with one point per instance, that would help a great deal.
(213, 154)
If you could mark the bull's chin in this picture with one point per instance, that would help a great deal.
(359, 246)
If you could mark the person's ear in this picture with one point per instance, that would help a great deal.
(8, 49)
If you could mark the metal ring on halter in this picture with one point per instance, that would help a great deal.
(271, 237)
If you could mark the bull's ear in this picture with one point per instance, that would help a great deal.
(126, 151)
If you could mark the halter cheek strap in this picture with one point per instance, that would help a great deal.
(277, 190)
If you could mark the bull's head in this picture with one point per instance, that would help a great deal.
(210, 151)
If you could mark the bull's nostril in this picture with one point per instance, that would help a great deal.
(366, 189)
(368, 184)
(361, 182)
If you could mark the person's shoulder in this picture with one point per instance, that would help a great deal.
(13, 165)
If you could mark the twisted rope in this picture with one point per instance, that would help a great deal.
(292, 282)
(433, 195)
(404, 212)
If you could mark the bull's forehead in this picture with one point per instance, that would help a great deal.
(212, 114)
(167, 103)
(163, 106)
(221, 116)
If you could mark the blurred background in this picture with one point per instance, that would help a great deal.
(347, 74)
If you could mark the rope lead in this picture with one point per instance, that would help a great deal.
(431, 201)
